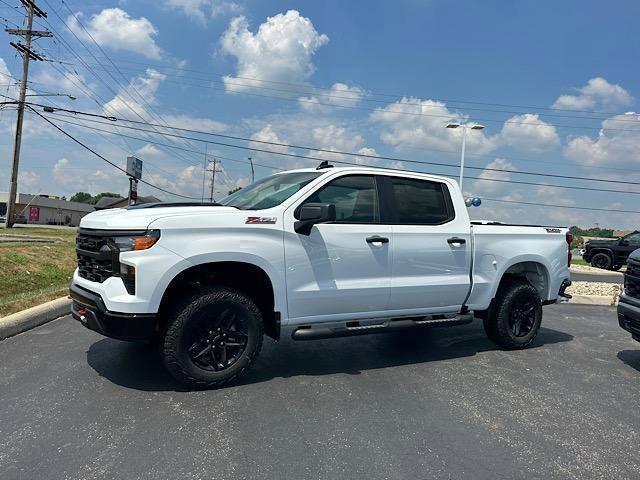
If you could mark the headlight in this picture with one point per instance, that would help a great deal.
(138, 242)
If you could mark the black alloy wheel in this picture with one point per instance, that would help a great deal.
(523, 317)
(218, 338)
(601, 260)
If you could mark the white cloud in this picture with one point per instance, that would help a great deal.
(202, 10)
(29, 182)
(415, 123)
(268, 134)
(504, 175)
(114, 28)
(528, 132)
(149, 151)
(281, 49)
(618, 143)
(340, 95)
(195, 123)
(133, 98)
(598, 92)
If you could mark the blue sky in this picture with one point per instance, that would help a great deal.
(551, 82)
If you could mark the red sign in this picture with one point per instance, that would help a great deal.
(34, 214)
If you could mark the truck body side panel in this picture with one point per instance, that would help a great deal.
(499, 248)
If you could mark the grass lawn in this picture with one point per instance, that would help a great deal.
(578, 261)
(33, 273)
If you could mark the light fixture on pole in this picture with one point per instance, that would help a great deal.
(464, 126)
(70, 97)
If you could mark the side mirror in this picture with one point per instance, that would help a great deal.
(311, 214)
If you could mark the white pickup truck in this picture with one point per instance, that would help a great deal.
(321, 252)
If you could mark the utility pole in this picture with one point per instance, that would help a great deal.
(27, 54)
(253, 175)
(213, 177)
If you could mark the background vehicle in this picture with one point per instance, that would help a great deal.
(629, 304)
(326, 252)
(611, 254)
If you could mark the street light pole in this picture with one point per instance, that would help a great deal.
(464, 126)
(464, 142)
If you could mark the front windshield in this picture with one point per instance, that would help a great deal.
(270, 191)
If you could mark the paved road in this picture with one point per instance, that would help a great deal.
(606, 277)
(437, 404)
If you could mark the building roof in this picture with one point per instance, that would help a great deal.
(117, 202)
(38, 201)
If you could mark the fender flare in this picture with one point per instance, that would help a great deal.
(527, 258)
(277, 280)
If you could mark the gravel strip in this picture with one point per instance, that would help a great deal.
(595, 288)
(589, 269)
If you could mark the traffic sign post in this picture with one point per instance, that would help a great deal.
(134, 170)
(133, 191)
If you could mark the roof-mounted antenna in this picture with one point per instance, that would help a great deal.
(324, 164)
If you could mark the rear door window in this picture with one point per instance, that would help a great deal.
(421, 202)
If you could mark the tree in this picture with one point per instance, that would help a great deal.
(97, 198)
(82, 197)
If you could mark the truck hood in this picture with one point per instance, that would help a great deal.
(140, 218)
(635, 255)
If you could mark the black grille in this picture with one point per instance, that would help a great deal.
(632, 278)
(95, 257)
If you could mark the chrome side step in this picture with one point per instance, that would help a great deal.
(350, 329)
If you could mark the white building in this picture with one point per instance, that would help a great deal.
(44, 210)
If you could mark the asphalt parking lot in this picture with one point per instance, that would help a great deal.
(438, 404)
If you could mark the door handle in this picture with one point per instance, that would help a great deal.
(453, 240)
(377, 239)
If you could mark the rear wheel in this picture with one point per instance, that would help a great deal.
(515, 315)
(212, 337)
(601, 260)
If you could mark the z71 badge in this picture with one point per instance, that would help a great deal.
(261, 220)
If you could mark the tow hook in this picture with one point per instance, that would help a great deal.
(564, 295)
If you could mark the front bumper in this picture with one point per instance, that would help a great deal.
(629, 316)
(89, 309)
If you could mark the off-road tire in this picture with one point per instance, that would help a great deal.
(602, 261)
(500, 319)
(181, 322)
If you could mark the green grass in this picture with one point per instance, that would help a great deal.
(578, 261)
(33, 273)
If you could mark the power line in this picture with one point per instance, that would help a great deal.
(390, 95)
(571, 187)
(381, 157)
(559, 206)
(362, 97)
(86, 147)
(488, 199)
(451, 116)
(91, 70)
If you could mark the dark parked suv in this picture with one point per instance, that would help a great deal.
(629, 305)
(611, 254)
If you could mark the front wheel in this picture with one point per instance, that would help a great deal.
(212, 337)
(514, 318)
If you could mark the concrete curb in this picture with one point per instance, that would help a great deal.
(594, 300)
(32, 317)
